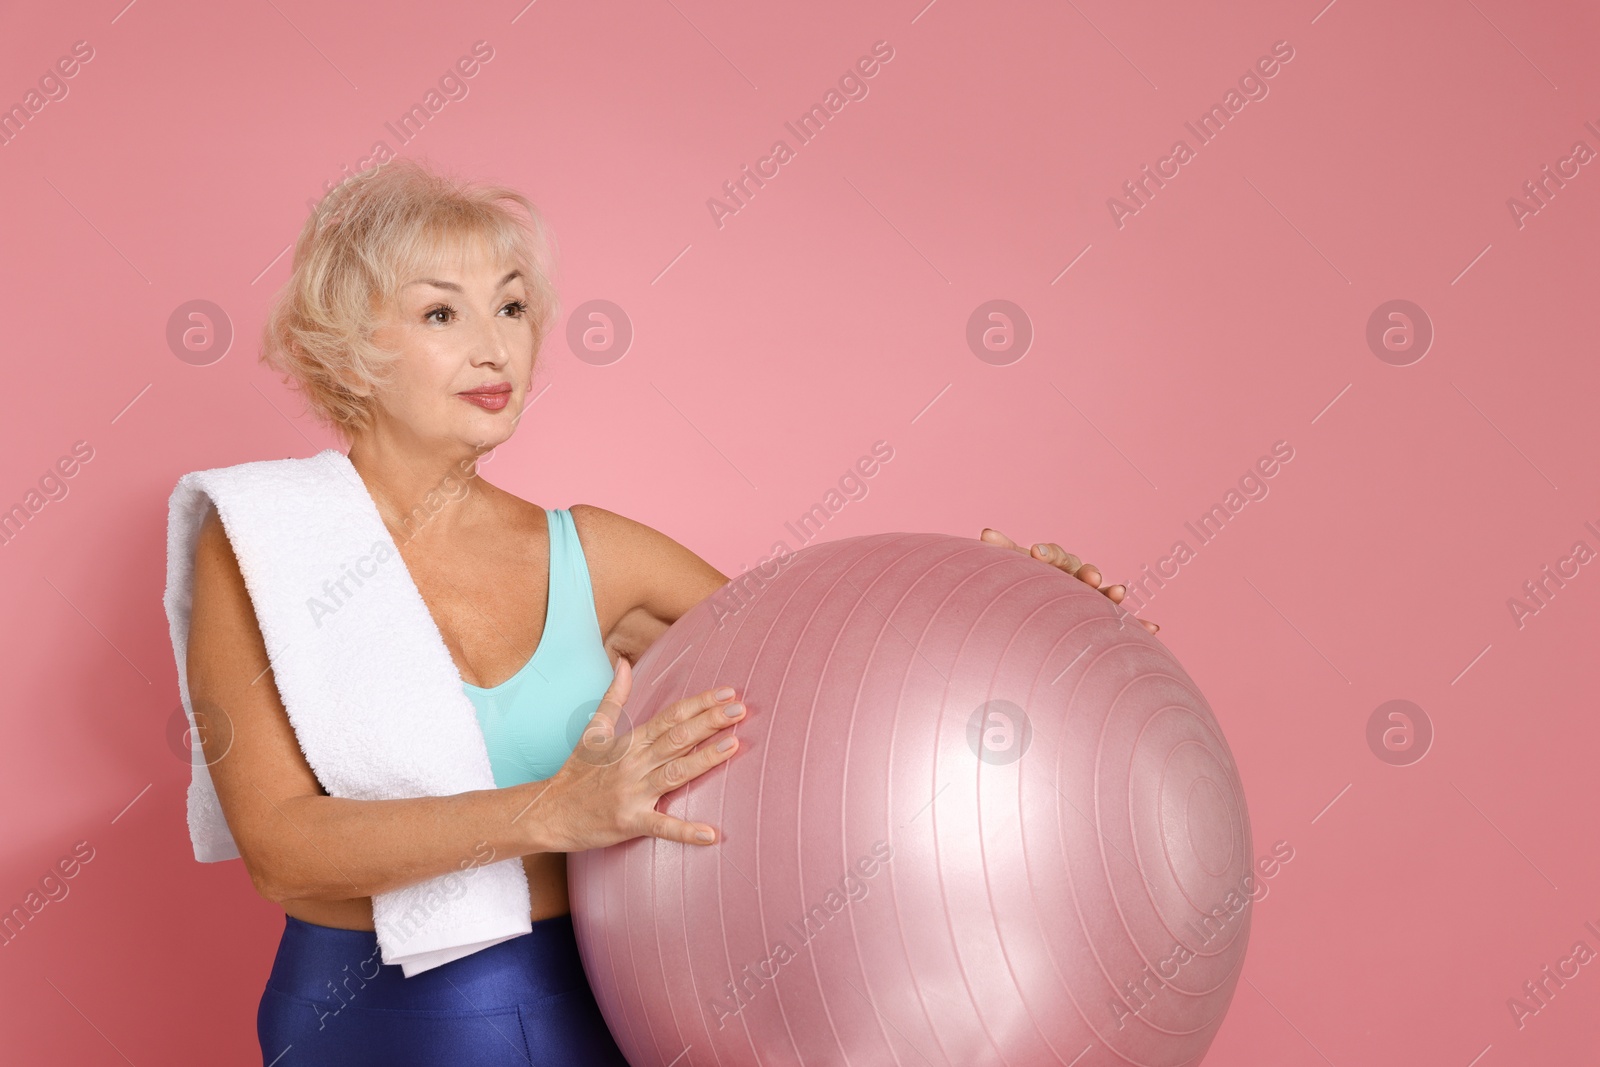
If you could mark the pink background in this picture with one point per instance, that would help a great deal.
(1227, 314)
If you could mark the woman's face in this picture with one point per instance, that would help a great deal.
(465, 354)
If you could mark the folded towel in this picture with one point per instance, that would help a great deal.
(375, 700)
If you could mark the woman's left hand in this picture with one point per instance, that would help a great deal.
(1056, 556)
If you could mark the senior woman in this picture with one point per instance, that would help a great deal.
(415, 310)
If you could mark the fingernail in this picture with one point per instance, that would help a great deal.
(703, 835)
(725, 693)
(725, 744)
(733, 711)
(1041, 549)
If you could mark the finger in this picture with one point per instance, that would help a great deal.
(669, 829)
(608, 733)
(1116, 592)
(1057, 556)
(602, 726)
(680, 712)
(683, 736)
(1091, 574)
(683, 769)
(1152, 627)
(995, 537)
(621, 686)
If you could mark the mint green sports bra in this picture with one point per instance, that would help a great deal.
(533, 720)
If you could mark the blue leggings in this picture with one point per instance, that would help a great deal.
(331, 1000)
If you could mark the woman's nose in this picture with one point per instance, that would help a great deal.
(490, 347)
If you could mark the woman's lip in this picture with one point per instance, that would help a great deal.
(488, 401)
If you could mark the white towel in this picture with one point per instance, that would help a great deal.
(375, 700)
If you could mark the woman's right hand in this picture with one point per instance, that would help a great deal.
(607, 790)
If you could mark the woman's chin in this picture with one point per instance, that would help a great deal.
(487, 433)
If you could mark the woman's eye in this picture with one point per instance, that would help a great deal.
(519, 306)
(443, 309)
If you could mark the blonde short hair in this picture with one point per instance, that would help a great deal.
(370, 235)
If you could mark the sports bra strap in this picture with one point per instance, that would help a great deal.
(572, 612)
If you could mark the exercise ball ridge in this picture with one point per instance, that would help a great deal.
(978, 816)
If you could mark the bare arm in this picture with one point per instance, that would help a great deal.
(298, 843)
(663, 579)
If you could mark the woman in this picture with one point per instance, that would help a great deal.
(411, 322)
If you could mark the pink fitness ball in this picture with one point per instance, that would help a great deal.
(978, 815)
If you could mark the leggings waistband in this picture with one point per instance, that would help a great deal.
(330, 965)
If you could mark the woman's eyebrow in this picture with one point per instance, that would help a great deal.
(437, 284)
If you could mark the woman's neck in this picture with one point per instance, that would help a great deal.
(419, 491)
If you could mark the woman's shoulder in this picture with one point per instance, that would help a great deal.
(605, 528)
(631, 553)
(214, 559)
(602, 530)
